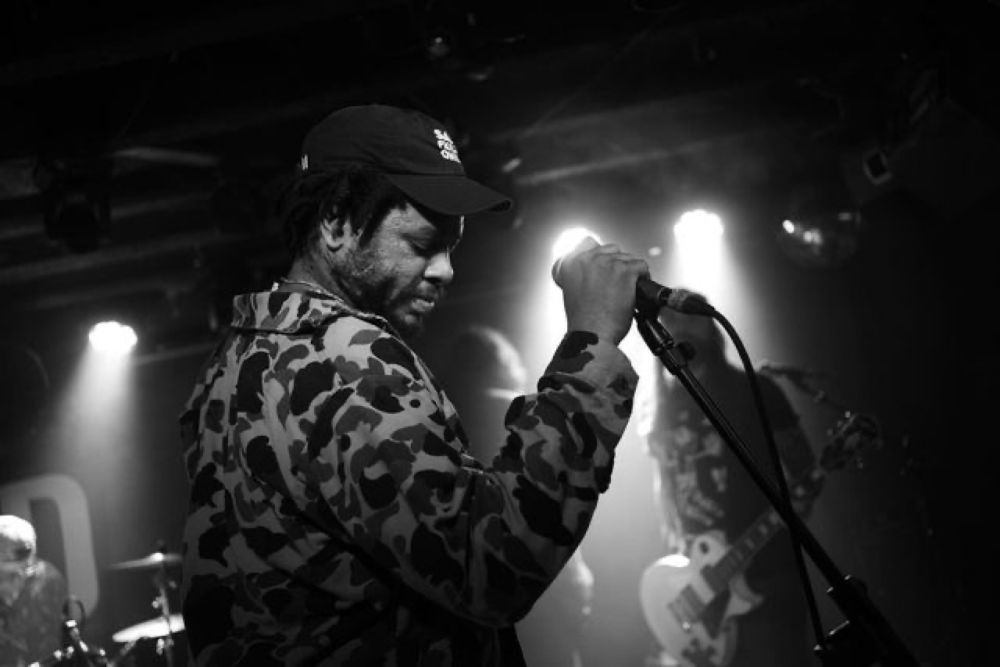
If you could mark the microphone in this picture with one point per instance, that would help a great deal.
(681, 300)
(650, 291)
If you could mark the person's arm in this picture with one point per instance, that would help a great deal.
(484, 543)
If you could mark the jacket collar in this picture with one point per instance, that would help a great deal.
(289, 312)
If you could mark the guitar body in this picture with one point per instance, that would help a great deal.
(694, 624)
(691, 606)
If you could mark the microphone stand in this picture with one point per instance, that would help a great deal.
(865, 638)
(165, 645)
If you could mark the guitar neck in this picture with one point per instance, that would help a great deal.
(766, 526)
(846, 439)
(753, 539)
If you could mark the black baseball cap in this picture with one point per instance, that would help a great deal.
(412, 149)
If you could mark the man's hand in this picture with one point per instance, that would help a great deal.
(598, 284)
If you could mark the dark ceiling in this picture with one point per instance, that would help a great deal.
(140, 142)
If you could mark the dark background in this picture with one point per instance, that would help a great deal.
(141, 144)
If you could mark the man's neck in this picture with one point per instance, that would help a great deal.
(305, 273)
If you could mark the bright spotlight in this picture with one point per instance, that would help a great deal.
(112, 338)
(698, 226)
(570, 239)
(698, 252)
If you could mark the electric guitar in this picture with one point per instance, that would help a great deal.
(683, 602)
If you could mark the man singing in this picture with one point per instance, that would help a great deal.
(336, 515)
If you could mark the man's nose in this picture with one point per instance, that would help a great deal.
(440, 269)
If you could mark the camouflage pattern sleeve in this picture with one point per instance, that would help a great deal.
(387, 454)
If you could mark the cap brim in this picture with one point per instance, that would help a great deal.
(451, 195)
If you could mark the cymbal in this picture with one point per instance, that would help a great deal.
(153, 560)
(151, 629)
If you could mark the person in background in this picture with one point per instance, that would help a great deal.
(700, 486)
(32, 594)
(336, 516)
(483, 372)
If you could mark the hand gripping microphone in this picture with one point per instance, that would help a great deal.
(650, 291)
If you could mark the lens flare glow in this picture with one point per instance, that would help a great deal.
(698, 251)
(570, 239)
(112, 338)
(698, 227)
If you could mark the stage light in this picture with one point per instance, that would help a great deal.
(570, 239)
(698, 258)
(112, 338)
(697, 227)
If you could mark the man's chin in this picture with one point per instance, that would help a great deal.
(408, 325)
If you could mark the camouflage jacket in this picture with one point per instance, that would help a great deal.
(335, 515)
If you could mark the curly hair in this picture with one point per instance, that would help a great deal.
(352, 192)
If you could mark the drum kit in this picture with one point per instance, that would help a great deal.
(162, 629)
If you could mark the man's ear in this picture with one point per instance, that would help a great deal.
(335, 232)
